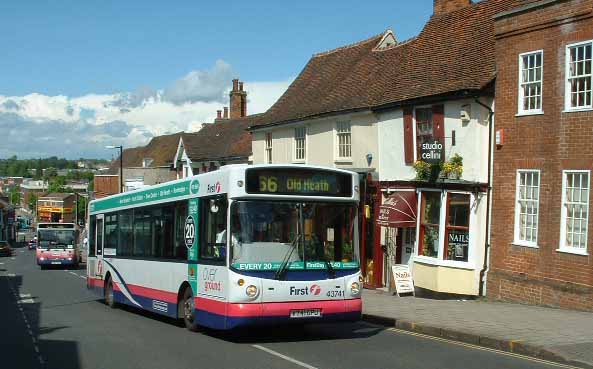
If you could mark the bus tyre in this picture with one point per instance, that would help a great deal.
(188, 310)
(109, 300)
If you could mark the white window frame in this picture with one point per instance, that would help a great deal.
(337, 134)
(521, 96)
(439, 260)
(564, 212)
(296, 148)
(567, 90)
(517, 240)
(268, 142)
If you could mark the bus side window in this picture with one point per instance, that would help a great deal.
(180, 215)
(91, 236)
(213, 231)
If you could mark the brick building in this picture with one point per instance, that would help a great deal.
(56, 207)
(542, 164)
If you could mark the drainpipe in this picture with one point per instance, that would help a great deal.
(486, 265)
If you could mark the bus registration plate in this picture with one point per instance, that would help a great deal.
(305, 313)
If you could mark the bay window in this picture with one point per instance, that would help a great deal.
(444, 226)
(457, 229)
(430, 224)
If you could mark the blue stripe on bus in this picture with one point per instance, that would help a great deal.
(216, 321)
(147, 303)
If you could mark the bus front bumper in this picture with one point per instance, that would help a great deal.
(65, 261)
(212, 313)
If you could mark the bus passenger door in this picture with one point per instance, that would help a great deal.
(99, 267)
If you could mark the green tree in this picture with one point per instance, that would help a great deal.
(33, 202)
(15, 196)
(57, 184)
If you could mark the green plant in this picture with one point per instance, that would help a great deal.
(453, 167)
(422, 169)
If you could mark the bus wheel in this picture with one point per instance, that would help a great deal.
(109, 300)
(188, 310)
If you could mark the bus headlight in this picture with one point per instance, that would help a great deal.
(251, 291)
(355, 288)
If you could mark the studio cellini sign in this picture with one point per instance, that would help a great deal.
(432, 152)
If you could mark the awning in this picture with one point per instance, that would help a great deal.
(399, 210)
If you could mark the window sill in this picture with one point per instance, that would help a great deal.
(576, 110)
(444, 263)
(523, 244)
(298, 161)
(528, 113)
(343, 161)
(573, 251)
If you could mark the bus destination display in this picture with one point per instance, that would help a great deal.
(294, 181)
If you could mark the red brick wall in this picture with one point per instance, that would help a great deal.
(551, 142)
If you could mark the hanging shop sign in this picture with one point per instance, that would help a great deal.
(402, 277)
(432, 152)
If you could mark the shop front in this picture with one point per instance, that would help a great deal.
(397, 223)
(451, 234)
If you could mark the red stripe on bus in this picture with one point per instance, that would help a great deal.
(153, 293)
(276, 308)
(95, 282)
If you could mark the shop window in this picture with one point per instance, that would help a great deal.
(457, 228)
(429, 224)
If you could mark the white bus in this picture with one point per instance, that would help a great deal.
(239, 246)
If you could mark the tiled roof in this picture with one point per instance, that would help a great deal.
(222, 140)
(454, 52)
(56, 195)
(161, 149)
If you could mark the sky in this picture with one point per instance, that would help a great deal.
(78, 75)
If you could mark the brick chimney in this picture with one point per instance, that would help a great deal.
(238, 100)
(447, 6)
(218, 114)
(226, 113)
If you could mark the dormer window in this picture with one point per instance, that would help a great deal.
(146, 162)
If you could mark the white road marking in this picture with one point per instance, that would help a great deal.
(73, 273)
(11, 275)
(287, 358)
(12, 258)
(482, 348)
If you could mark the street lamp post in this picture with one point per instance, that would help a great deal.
(121, 165)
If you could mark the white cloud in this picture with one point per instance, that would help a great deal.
(129, 118)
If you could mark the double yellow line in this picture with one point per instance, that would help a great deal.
(475, 347)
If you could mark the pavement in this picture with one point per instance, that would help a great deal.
(48, 319)
(562, 336)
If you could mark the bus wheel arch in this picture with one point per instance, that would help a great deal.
(185, 306)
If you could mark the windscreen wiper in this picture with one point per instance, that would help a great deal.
(330, 269)
(281, 272)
